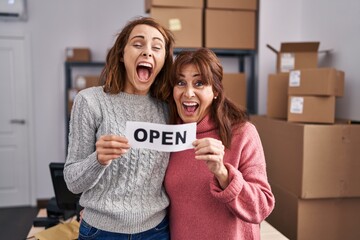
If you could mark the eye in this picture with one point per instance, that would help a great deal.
(199, 83)
(137, 45)
(157, 48)
(180, 83)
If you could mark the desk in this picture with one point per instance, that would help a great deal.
(267, 232)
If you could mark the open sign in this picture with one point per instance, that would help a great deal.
(161, 137)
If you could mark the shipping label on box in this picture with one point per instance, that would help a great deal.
(296, 105)
(287, 62)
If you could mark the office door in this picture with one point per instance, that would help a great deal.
(14, 128)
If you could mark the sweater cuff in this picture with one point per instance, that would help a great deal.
(232, 190)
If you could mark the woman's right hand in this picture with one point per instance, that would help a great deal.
(110, 147)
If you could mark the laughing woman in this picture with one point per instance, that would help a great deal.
(219, 189)
(122, 187)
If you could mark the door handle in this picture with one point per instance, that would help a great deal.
(17, 121)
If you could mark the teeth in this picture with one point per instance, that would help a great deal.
(145, 65)
(190, 104)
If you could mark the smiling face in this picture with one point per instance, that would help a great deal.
(144, 56)
(192, 95)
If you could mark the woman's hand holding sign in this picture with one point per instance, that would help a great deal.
(110, 147)
(212, 152)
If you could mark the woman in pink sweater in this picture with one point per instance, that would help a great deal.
(219, 189)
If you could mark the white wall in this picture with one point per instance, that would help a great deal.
(55, 25)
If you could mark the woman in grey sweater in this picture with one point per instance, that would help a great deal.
(122, 187)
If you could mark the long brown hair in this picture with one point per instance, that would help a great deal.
(113, 74)
(223, 111)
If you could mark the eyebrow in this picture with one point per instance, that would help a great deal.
(195, 75)
(141, 36)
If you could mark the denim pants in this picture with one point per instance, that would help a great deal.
(160, 232)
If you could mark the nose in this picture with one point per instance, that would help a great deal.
(146, 54)
(189, 92)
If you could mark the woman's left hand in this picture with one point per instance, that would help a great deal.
(211, 151)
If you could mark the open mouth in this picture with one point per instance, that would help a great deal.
(144, 71)
(190, 107)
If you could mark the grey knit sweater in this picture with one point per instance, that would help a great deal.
(126, 196)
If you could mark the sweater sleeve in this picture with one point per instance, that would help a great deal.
(248, 196)
(82, 170)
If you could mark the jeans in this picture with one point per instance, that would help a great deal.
(160, 232)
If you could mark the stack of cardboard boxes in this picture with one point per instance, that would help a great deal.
(299, 91)
(313, 159)
(226, 24)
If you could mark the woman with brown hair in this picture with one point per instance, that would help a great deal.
(219, 189)
(122, 187)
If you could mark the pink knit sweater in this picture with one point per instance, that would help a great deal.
(200, 209)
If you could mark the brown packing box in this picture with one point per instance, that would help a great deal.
(77, 54)
(230, 29)
(317, 81)
(314, 219)
(235, 87)
(173, 3)
(311, 109)
(86, 81)
(185, 23)
(233, 4)
(277, 96)
(296, 55)
(311, 160)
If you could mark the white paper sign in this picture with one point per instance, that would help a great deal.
(161, 137)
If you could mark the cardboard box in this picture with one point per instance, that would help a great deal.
(185, 23)
(277, 96)
(230, 29)
(173, 3)
(86, 81)
(296, 55)
(311, 160)
(78, 54)
(235, 87)
(311, 109)
(316, 81)
(233, 4)
(314, 219)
